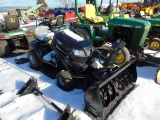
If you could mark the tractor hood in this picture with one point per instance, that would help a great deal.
(73, 49)
(154, 22)
(72, 40)
(135, 23)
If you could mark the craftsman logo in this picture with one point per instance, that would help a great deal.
(50, 42)
(12, 20)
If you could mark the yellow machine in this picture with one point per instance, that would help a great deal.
(158, 76)
(26, 15)
(145, 7)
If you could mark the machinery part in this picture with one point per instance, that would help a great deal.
(21, 60)
(24, 15)
(123, 57)
(27, 40)
(34, 59)
(11, 22)
(31, 86)
(118, 54)
(15, 37)
(102, 97)
(154, 44)
(64, 80)
(94, 65)
(157, 80)
(4, 48)
(84, 33)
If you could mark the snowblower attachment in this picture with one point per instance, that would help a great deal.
(32, 87)
(111, 87)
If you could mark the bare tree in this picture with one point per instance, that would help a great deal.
(66, 3)
(42, 2)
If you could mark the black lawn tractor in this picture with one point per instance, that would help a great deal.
(12, 37)
(73, 56)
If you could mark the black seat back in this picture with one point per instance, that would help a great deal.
(11, 22)
(60, 20)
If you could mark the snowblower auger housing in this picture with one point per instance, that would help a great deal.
(111, 87)
(31, 86)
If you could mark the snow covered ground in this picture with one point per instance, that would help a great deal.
(142, 103)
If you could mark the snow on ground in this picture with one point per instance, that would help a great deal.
(142, 103)
(14, 76)
(31, 23)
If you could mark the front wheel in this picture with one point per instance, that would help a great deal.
(4, 48)
(27, 40)
(154, 44)
(34, 59)
(65, 81)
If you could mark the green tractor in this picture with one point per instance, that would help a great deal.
(153, 37)
(94, 28)
(133, 31)
(11, 37)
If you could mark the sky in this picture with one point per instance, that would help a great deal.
(51, 3)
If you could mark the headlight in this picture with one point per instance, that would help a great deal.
(79, 53)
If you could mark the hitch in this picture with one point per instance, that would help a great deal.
(31, 86)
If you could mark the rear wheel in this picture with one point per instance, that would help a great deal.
(4, 48)
(154, 44)
(123, 57)
(65, 81)
(27, 41)
(34, 59)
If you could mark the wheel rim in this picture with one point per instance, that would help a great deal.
(154, 45)
(120, 58)
(61, 81)
(31, 60)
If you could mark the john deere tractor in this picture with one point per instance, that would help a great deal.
(133, 31)
(153, 37)
(11, 37)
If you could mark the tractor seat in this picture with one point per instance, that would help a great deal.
(90, 14)
(112, 15)
(58, 24)
(43, 33)
(11, 22)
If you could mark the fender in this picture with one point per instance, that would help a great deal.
(37, 47)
